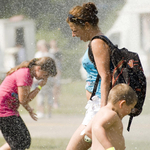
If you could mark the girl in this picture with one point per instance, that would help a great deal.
(15, 90)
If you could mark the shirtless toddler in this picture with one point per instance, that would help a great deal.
(106, 128)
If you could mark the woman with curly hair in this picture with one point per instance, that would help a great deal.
(83, 22)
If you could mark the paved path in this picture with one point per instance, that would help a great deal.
(63, 126)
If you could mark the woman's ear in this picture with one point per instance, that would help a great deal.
(121, 103)
(87, 26)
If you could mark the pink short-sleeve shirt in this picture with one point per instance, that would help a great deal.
(8, 103)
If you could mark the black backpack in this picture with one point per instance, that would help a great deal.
(127, 69)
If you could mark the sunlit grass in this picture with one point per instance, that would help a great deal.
(60, 144)
(72, 101)
(48, 144)
(137, 145)
(45, 144)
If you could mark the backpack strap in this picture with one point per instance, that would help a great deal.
(129, 123)
(95, 86)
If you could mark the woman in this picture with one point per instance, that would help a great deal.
(83, 22)
(15, 90)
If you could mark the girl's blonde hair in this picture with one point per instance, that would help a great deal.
(47, 64)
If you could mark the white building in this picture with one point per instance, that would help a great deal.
(15, 31)
(132, 30)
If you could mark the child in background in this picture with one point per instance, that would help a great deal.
(45, 97)
(106, 128)
(57, 55)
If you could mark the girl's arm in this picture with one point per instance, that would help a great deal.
(30, 110)
(101, 55)
(24, 94)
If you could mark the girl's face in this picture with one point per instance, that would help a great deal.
(40, 74)
(79, 31)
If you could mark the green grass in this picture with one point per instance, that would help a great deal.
(49, 144)
(60, 144)
(45, 144)
(72, 101)
(137, 145)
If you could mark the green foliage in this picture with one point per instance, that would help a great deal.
(50, 19)
(51, 35)
(71, 52)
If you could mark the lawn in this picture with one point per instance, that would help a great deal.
(60, 144)
(72, 101)
(45, 144)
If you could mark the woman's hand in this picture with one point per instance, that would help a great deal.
(33, 115)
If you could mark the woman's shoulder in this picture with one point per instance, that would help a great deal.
(99, 44)
(97, 41)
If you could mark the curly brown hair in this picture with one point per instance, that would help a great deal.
(85, 13)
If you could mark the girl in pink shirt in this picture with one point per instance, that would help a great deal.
(15, 90)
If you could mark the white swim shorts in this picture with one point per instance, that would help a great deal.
(92, 108)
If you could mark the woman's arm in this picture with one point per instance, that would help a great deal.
(101, 55)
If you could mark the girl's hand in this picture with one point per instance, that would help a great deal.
(43, 82)
(33, 115)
